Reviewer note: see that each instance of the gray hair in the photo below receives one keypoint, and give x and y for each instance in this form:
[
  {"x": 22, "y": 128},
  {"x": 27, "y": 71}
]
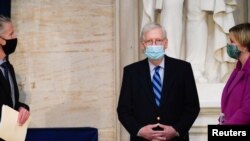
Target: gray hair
[
  {"x": 151, "y": 26},
  {"x": 3, "y": 20}
]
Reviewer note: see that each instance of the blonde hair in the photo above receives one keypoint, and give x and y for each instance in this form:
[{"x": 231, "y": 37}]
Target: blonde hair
[{"x": 241, "y": 33}]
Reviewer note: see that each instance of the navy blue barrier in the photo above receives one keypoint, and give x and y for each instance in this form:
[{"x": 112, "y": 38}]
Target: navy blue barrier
[{"x": 62, "y": 134}]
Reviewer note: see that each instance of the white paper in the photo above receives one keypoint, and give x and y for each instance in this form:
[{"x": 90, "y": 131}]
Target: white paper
[{"x": 9, "y": 128}]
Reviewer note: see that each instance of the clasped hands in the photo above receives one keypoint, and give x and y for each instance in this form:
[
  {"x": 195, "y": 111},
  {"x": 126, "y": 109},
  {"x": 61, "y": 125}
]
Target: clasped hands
[{"x": 148, "y": 132}]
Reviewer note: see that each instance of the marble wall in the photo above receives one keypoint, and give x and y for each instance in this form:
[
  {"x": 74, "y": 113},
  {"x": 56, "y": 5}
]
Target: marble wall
[
  {"x": 65, "y": 62},
  {"x": 69, "y": 64}
]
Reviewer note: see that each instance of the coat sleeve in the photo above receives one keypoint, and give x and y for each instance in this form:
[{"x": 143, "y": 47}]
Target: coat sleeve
[
  {"x": 191, "y": 107},
  {"x": 17, "y": 94},
  {"x": 125, "y": 109},
  {"x": 20, "y": 104},
  {"x": 242, "y": 115}
]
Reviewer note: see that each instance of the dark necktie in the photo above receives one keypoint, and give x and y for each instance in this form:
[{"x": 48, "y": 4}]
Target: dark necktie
[
  {"x": 6, "y": 73},
  {"x": 157, "y": 85}
]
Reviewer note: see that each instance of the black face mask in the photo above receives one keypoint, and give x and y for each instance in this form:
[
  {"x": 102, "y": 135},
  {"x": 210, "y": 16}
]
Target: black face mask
[{"x": 10, "y": 46}]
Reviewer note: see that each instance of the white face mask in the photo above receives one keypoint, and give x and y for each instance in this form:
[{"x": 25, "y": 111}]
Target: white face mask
[{"x": 154, "y": 52}]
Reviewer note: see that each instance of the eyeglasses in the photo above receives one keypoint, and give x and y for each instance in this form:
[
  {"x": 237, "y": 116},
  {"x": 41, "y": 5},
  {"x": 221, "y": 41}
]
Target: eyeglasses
[{"x": 151, "y": 42}]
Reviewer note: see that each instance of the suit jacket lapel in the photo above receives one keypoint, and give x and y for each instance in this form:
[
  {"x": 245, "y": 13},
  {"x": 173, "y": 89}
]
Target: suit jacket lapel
[
  {"x": 12, "y": 73},
  {"x": 2, "y": 78},
  {"x": 146, "y": 82},
  {"x": 167, "y": 80},
  {"x": 237, "y": 78},
  {"x": 4, "y": 82}
]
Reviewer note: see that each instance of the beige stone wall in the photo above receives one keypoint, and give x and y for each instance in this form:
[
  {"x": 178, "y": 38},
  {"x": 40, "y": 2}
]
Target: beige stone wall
[{"x": 65, "y": 62}]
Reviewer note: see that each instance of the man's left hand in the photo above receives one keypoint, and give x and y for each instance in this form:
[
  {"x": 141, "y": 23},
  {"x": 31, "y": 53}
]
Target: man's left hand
[{"x": 23, "y": 115}]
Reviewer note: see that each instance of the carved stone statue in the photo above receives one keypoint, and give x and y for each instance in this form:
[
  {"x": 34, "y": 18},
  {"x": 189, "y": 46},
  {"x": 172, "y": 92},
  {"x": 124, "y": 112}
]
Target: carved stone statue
[
  {"x": 204, "y": 36},
  {"x": 171, "y": 17},
  {"x": 206, "y": 40}
]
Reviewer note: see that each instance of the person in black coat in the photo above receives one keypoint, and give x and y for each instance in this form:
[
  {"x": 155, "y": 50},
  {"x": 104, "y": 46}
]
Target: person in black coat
[
  {"x": 9, "y": 93},
  {"x": 158, "y": 99}
]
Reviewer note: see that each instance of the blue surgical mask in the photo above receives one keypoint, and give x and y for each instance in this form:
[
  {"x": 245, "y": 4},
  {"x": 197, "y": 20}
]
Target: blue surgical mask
[
  {"x": 154, "y": 52},
  {"x": 233, "y": 51}
]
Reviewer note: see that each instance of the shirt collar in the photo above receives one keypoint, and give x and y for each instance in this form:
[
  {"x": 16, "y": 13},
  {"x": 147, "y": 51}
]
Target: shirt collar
[
  {"x": 152, "y": 66},
  {"x": 3, "y": 60},
  {"x": 246, "y": 66}
]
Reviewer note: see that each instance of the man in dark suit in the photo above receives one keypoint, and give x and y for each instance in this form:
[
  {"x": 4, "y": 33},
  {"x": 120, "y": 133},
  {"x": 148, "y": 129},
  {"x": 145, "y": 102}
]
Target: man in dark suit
[
  {"x": 158, "y": 99},
  {"x": 9, "y": 93}
]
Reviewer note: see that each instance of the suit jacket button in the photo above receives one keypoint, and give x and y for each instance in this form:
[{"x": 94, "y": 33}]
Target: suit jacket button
[{"x": 158, "y": 118}]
